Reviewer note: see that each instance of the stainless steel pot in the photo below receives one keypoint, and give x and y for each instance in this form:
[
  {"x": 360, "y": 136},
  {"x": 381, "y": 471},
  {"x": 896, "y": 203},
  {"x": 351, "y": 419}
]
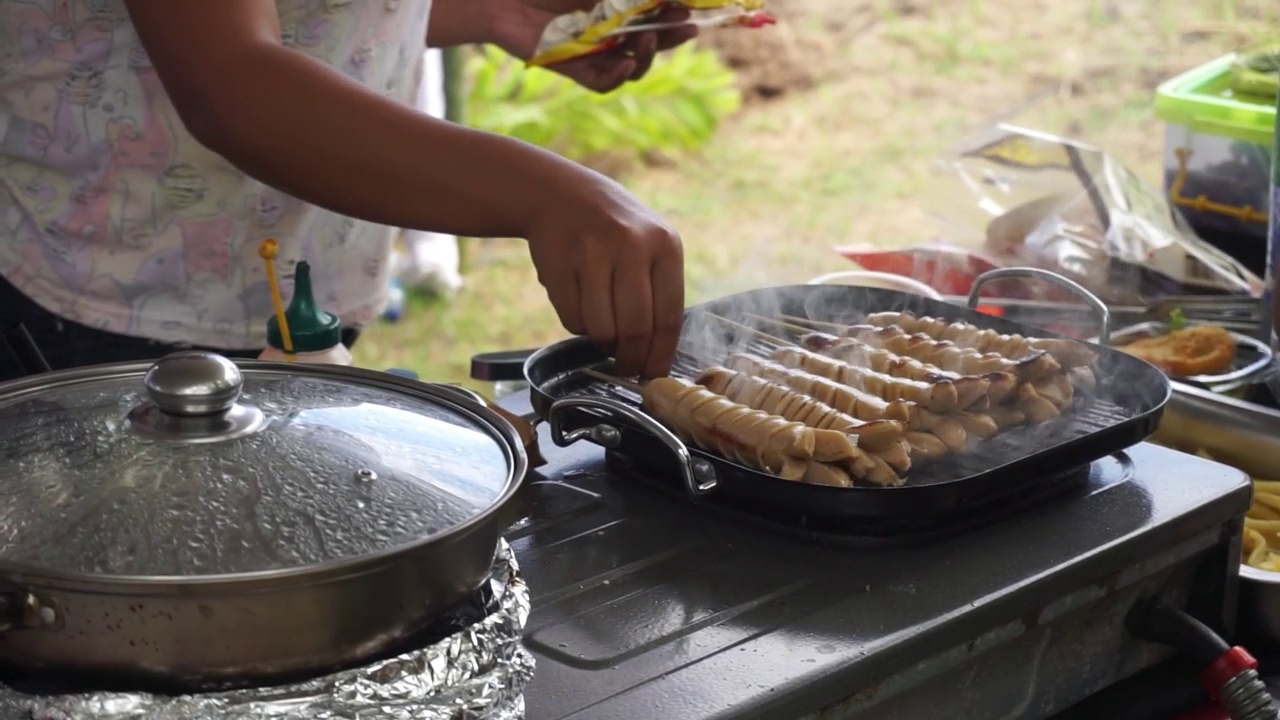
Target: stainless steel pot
[{"x": 199, "y": 522}]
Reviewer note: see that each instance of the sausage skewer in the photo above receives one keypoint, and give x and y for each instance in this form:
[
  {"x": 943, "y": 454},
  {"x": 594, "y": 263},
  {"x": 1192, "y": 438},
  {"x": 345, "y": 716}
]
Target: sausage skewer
[
  {"x": 760, "y": 394},
  {"x": 881, "y": 432},
  {"x": 947, "y": 355},
  {"x": 1069, "y": 353},
  {"x": 938, "y": 397},
  {"x": 969, "y": 389},
  {"x": 747, "y": 436}
]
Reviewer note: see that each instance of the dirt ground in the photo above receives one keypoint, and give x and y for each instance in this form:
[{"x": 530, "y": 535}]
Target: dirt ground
[{"x": 850, "y": 102}]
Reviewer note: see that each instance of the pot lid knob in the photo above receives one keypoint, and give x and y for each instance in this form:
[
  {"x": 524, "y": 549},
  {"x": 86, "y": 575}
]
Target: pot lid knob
[{"x": 194, "y": 383}]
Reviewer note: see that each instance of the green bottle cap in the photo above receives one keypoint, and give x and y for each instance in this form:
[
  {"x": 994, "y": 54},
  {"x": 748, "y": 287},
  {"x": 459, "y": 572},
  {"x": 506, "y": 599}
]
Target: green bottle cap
[{"x": 311, "y": 329}]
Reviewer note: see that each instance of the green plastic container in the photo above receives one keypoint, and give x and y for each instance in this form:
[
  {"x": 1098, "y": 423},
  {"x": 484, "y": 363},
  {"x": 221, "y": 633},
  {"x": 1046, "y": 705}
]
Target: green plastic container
[{"x": 1227, "y": 141}]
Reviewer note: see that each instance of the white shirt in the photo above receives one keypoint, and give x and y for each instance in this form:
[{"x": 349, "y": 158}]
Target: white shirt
[{"x": 113, "y": 216}]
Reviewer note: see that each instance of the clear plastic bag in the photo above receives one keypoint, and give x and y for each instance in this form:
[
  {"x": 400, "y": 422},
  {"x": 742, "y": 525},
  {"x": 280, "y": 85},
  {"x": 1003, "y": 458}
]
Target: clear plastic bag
[
  {"x": 607, "y": 24},
  {"x": 1022, "y": 197}
]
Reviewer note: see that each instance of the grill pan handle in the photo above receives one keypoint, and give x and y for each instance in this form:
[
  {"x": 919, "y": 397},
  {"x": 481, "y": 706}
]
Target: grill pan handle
[
  {"x": 698, "y": 474},
  {"x": 1029, "y": 273}
]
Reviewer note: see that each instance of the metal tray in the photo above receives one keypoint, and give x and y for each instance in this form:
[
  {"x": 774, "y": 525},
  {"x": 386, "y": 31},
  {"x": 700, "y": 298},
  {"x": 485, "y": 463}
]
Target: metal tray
[
  {"x": 1245, "y": 436},
  {"x": 1124, "y": 410}
]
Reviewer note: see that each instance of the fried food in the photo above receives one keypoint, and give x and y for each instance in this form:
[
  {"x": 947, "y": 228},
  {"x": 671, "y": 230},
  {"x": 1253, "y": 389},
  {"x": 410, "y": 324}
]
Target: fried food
[{"x": 1196, "y": 350}]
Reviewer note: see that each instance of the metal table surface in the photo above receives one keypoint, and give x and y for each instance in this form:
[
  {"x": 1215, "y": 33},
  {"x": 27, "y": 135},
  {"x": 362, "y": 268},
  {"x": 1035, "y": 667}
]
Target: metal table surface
[{"x": 646, "y": 607}]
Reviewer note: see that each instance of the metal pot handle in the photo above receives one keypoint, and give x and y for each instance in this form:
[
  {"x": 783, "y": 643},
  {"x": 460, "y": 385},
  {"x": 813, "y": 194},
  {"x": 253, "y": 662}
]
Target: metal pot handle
[
  {"x": 21, "y": 610},
  {"x": 1029, "y": 273},
  {"x": 698, "y": 474}
]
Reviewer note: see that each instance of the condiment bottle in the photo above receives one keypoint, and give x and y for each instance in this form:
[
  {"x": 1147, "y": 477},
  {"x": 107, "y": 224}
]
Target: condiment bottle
[{"x": 303, "y": 332}]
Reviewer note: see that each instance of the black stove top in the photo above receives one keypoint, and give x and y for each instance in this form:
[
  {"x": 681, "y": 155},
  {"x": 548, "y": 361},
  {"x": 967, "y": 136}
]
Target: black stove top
[{"x": 644, "y": 606}]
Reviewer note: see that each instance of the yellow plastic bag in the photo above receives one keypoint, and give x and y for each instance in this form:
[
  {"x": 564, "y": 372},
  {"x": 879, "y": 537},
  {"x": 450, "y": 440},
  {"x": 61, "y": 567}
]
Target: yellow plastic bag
[{"x": 606, "y": 26}]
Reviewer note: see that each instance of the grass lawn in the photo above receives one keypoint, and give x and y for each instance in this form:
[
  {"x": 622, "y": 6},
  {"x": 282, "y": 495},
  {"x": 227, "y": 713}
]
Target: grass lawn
[{"x": 846, "y": 158}]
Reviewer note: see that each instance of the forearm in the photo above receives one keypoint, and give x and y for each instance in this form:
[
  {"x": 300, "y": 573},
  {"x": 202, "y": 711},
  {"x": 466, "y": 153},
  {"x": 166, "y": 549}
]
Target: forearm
[
  {"x": 459, "y": 22},
  {"x": 306, "y": 129}
]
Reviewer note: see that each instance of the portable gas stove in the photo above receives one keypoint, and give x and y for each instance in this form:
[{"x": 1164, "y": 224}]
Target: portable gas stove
[{"x": 648, "y": 607}]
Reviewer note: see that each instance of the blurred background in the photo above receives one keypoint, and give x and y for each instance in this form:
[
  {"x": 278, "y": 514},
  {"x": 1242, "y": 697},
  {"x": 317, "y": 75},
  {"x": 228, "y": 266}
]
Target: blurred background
[{"x": 769, "y": 148}]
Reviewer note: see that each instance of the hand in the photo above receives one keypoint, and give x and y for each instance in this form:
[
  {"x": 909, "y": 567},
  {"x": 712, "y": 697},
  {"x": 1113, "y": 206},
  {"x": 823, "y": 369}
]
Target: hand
[
  {"x": 518, "y": 25},
  {"x": 614, "y": 272}
]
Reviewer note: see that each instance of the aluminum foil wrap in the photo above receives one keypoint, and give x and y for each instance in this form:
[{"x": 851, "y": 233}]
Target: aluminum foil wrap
[{"x": 477, "y": 673}]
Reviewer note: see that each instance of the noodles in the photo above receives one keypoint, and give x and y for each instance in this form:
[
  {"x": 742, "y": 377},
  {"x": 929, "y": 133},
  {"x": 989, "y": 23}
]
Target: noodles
[{"x": 1261, "y": 544}]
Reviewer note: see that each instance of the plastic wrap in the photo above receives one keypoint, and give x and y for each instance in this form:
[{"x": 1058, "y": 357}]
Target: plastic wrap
[
  {"x": 1016, "y": 197},
  {"x": 606, "y": 25},
  {"x": 477, "y": 673}
]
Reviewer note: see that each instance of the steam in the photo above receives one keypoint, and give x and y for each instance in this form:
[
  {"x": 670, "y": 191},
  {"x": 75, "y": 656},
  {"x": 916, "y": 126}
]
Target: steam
[
  {"x": 1126, "y": 387},
  {"x": 707, "y": 339}
]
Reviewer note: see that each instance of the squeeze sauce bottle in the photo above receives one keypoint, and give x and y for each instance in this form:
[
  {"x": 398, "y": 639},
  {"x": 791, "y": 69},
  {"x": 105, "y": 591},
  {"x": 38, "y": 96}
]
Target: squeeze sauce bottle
[{"x": 309, "y": 334}]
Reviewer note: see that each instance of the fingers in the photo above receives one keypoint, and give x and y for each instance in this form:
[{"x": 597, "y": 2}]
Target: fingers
[
  {"x": 667, "y": 278},
  {"x": 668, "y": 39},
  {"x": 644, "y": 47},
  {"x": 633, "y": 312},
  {"x": 565, "y": 297},
  {"x": 593, "y": 73},
  {"x": 675, "y": 37},
  {"x": 595, "y": 298}
]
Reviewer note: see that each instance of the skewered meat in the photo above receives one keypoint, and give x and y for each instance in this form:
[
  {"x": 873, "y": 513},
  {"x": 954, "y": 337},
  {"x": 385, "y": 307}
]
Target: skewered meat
[
  {"x": 947, "y": 355},
  {"x": 968, "y": 389},
  {"x": 820, "y": 473},
  {"x": 976, "y": 425},
  {"x": 1068, "y": 353},
  {"x": 1038, "y": 409},
  {"x": 712, "y": 421},
  {"x": 1083, "y": 379},
  {"x": 836, "y": 435},
  {"x": 848, "y": 400},
  {"x": 938, "y": 397},
  {"x": 1007, "y": 416},
  {"x": 945, "y": 427},
  {"x": 926, "y": 445}
]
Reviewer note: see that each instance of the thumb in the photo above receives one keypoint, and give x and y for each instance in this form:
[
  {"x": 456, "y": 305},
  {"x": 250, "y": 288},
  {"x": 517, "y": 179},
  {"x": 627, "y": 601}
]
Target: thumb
[{"x": 607, "y": 73}]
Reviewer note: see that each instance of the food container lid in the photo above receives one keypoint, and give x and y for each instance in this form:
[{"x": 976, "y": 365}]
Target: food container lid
[
  {"x": 1201, "y": 99},
  {"x": 198, "y": 466}
]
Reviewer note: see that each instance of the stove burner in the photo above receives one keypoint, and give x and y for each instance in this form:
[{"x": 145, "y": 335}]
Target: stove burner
[
  {"x": 846, "y": 533},
  {"x": 476, "y": 607}
]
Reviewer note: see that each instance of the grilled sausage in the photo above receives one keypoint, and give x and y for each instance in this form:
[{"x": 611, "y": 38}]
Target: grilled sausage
[
  {"x": 939, "y": 396},
  {"x": 759, "y": 394},
  {"x": 926, "y": 446},
  {"x": 947, "y": 355},
  {"x": 848, "y": 400},
  {"x": 1068, "y": 353},
  {"x": 946, "y": 428},
  {"x": 737, "y": 432},
  {"x": 1083, "y": 379},
  {"x": 820, "y": 473},
  {"x": 1038, "y": 409},
  {"x": 979, "y": 426},
  {"x": 1007, "y": 416},
  {"x": 834, "y": 432},
  {"x": 969, "y": 389}
]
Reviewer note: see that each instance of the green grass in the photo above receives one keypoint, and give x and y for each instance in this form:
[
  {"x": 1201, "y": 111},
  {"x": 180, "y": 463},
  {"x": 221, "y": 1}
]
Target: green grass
[{"x": 849, "y": 159}]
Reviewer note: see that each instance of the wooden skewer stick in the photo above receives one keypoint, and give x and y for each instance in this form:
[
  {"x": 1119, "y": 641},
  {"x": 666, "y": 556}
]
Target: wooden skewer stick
[
  {"x": 636, "y": 388},
  {"x": 783, "y": 322},
  {"x": 759, "y": 333},
  {"x": 815, "y": 323}
]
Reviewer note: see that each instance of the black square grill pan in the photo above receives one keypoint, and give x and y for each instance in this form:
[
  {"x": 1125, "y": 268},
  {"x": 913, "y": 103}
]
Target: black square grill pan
[{"x": 1124, "y": 410}]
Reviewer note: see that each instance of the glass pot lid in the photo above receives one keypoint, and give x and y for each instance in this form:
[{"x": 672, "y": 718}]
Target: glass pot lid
[{"x": 199, "y": 468}]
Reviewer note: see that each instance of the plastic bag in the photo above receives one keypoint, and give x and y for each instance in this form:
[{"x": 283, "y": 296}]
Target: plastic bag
[
  {"x": 606, "y": 26},
  {"x": 1032, "y": 199}
]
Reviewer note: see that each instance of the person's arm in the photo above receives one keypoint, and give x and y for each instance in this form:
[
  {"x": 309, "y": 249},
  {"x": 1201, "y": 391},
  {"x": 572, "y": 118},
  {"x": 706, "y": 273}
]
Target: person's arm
[
  {"x": 612, "y": 269},
  {"x": 461, "y": 22},
  {"x": 298, "y": 125}
]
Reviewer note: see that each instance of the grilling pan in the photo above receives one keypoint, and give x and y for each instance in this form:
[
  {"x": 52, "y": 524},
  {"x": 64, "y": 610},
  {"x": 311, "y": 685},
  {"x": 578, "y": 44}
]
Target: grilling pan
[{"x": 1124, "y": 410}]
